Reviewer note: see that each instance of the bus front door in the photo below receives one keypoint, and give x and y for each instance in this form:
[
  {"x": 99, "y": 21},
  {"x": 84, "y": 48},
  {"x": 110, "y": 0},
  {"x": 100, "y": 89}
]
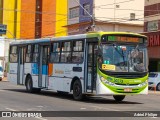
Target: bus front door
[
  {"x": 91, "y": 57},
  {"x": 43, "y": 66},
  {"x": 20, "y": 72}
]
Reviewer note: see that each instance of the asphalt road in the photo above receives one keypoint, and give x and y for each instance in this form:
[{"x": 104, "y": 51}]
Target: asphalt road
[{"x": 15, "y": 98}]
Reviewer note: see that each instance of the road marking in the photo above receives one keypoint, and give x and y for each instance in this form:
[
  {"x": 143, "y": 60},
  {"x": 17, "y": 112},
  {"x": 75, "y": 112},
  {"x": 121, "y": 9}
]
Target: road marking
[
  {"x": 2, "y": 90},
  {"x": 154, "y": 117},
  {"x": 41, "y": 118},
  {"x": 15, "y": 85},
  {"x": 10, "y": 109},
  {"x": 39, "y": 106},
  {"x": 97, "y": 107}
]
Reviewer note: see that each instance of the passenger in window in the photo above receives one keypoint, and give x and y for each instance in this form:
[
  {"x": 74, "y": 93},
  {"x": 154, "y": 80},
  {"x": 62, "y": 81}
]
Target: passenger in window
[
  {"x": 69, "y": 59},
  {"x": 76, "y": 59}
]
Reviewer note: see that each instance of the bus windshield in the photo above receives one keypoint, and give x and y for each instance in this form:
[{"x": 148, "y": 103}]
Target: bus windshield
[{"x": 123, "y": 58}]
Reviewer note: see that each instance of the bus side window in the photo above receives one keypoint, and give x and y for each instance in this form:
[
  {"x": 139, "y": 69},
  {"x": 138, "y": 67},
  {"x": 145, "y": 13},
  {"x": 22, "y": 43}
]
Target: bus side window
[
  {"x": 77, "y": 55},
  {"x": 55, "y": 52},
  {"x": 29, "y": 53},
  {"x": 13, "y": 54},
  {"x": 35, "y": 53},
  {"x": 66, "y": 52}
]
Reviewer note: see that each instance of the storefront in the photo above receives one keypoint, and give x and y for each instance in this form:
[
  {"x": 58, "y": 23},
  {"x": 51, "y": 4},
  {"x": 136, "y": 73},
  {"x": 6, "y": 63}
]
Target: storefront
[{"x": 154, "y": 51}]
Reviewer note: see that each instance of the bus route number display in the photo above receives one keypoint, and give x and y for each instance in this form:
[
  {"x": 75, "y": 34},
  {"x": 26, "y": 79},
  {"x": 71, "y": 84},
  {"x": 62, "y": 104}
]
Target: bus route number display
[{"x": 125, "y": 39}]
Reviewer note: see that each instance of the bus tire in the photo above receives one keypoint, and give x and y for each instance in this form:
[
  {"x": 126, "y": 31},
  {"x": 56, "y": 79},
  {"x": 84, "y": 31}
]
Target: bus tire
[
  {"x": 29, "y": 85},
  {"x": 77, "y": 90},
  {"x": 158, "y": 87},
  {"x": 118, "y": 98},
  {"x": 36, "y": 90}
]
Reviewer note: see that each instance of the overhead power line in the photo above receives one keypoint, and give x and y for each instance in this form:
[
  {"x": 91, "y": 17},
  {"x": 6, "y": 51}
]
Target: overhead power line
[
  {"x": 29, "y": 11},
  {"x": 114, "y": 3},
  {"x": 92, "y": 17}
]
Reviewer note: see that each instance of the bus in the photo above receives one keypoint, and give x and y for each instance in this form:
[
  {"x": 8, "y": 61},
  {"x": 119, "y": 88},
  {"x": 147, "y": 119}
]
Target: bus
[{"x": 97, "y": 63}]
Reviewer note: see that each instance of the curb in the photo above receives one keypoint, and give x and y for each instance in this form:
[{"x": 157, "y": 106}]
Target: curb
[
  {"x": 153, "y": 92},
  {"x": 4, "y": 81}
]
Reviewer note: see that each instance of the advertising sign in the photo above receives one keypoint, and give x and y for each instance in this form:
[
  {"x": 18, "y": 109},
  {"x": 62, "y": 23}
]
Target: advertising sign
[{"x": 3, "y": 29}]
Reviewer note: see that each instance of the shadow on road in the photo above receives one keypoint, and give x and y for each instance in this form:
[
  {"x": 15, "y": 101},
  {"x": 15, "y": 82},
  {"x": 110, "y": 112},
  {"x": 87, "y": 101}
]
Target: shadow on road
[{"x": 87, "y": 99}]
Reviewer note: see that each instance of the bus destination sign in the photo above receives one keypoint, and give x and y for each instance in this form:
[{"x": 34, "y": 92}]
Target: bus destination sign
[{"x": 125, "y": 39}]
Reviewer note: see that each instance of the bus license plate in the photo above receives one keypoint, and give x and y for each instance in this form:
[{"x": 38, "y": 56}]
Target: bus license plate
[{"x": 127, "y": 89}]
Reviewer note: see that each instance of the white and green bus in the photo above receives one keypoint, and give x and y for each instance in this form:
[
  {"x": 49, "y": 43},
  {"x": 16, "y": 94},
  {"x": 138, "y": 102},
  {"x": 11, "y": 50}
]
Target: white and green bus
[{"x": 99, "y": 63}]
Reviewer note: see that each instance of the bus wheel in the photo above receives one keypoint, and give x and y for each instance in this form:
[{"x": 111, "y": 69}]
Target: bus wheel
[
  {"x": 29, "y": 86},
  {"x": 77, "y": 90},
  {"x": 158, "y": 87},
  {"x": 119, "y": 98}
]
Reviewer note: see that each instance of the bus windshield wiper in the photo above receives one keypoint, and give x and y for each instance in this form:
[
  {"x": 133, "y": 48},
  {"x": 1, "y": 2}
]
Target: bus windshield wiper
[{"x": 121, "y": 54}]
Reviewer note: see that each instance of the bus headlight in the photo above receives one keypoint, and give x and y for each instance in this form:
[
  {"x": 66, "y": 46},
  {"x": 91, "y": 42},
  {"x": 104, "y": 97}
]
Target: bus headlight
[
  {"x": 106, "y": 81},
  {"x": 143, "y": 84}
]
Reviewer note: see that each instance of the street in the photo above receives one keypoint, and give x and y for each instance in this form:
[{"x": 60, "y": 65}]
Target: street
[{"x": 15, "y": 98}]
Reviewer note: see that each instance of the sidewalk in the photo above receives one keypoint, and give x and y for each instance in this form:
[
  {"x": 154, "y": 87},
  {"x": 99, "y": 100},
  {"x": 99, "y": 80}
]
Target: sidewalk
[
  {"x": 4, "y": 79},
  {"x": 153, "y": 92}
]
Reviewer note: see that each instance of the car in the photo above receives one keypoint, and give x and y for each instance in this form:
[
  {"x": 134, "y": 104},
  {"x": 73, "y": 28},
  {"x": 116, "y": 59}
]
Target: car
[
  {"x": 1, "y": 73},
  {"x": 154, "y": 80}
]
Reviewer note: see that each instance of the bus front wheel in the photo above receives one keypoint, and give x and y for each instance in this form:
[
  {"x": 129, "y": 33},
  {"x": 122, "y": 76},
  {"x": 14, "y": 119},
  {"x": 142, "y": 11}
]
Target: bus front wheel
[
  {"x": 77, "y": 90},
  {"x": 118, "y": 98}
]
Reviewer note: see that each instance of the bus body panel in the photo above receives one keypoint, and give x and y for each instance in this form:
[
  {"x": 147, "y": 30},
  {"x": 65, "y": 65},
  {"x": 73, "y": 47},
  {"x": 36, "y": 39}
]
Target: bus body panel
[
  {"x": 103, "y": 89},
  {"x": 12, "y": 76},
  {"x": 35, "y": 81},
  {"x": 28, "y": 68},
  {"x": 62, "y": 76}
]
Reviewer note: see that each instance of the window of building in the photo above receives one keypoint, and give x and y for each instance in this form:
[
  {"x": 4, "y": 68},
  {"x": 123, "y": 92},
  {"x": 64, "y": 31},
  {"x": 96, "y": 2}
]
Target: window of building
[
  {"x": 132, "y": 16},
  {"x": 87, "y": 8},
  {"x": 152, "y": 26},
  {"x": 29, "y": 53},
  {"x": 13, "y": 54},
  {"x": 73, "y": 12}
]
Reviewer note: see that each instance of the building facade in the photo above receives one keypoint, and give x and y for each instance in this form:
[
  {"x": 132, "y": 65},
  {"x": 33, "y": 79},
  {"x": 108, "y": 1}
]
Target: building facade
[
  {"x": 1, "y": 11},
  {"x": 113, "y": 15},
  {"x": 28, "y": 19},
  {"x": 152, "y": 30}
]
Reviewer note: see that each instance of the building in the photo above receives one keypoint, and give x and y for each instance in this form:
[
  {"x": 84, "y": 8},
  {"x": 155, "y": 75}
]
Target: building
[
  {"x": 107, "y": 15},
  {"x": 152, "y": 30},
  {"x": 1, "y": 11},
  {"x": 28, "y": 19},
  {"x": 4, "y": 46}
]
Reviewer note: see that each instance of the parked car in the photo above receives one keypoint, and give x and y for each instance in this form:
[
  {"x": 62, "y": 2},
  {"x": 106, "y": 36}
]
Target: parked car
[
  {"x": 1, "y": 73},
  {"x": 154, "y": 80}
]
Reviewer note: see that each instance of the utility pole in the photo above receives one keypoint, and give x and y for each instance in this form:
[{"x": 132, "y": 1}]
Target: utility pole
[
  {"x": 114, "y": 15},
  {"x": 92, "y": 16},
  {"x": 15, "y": 17}
]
